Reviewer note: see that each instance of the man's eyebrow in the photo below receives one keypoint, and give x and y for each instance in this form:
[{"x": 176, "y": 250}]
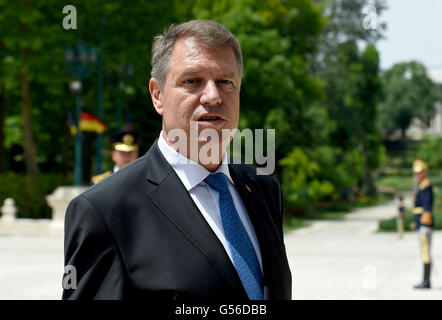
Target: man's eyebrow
[{"x": 228, "y": 75}]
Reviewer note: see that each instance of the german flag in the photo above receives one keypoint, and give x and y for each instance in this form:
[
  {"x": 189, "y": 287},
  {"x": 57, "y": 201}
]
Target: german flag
[{"x": 89, "y": 122}]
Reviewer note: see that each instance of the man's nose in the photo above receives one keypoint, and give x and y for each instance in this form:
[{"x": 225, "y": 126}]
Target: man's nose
[{"x": 211, "y": 95}]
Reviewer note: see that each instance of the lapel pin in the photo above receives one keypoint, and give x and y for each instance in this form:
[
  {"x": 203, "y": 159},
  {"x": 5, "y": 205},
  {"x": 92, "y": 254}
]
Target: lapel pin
[{"x": 248, "y": 188}]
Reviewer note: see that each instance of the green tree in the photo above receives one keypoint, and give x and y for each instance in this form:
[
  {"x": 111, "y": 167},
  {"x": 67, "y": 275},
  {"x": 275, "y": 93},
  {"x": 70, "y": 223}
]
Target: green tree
[
  {"x": 369, "y": 135},
  {"x": 345, "y": 24},
  {"x": 352, "y": 92},
  {"x": 30, "y": 39},
  {"x": 35, "y": 47},
  {"x": 351, "y": 83},
  {"x": 277, "y": 39},
  {"x": 2, "y": 106},
  {"x": 427, "y": 149},
  {"x": 408, "y": 93}
]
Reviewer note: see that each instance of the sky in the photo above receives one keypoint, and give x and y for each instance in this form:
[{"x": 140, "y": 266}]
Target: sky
[{"x": 414, "y": 32}]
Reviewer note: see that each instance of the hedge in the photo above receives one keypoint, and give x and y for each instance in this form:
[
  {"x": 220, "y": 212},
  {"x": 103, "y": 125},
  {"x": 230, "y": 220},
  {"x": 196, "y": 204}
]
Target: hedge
[
  {"x": 30, "y": 194},
  {"x": 389, "y": 225}
]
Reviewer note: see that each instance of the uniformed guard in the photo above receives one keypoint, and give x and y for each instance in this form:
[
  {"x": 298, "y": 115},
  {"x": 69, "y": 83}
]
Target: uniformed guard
[
  {"x": 125, "y": 144},
  {"x": 423, "y": 216}
]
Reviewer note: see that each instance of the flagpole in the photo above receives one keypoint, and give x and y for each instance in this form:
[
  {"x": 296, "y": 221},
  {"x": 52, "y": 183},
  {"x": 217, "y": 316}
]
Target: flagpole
[
  {"x": 100, "y": 101},
  {"x": 78, "y": 169},
  {"x": 119, "y": 99},
  {"x": 79, "y": 63}
]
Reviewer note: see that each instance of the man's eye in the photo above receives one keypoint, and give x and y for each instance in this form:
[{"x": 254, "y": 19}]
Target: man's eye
[
  {"x": 225, "y": 81},
  {"x": 190, "y": 81}
]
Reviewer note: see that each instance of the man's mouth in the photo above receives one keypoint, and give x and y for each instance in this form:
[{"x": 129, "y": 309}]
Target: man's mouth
[{"x": 209, "y": 118}]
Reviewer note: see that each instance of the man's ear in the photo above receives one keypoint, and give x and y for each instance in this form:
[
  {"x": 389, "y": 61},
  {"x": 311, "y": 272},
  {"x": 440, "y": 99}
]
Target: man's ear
[{"x": 155, "y": 93}]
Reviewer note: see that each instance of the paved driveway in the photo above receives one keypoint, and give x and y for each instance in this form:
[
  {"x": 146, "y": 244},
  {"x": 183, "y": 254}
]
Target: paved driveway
[
  {"x": 347, "y": 259},
  {"x": 343, "y": 259},
  {"x": 31, "y": 267}
]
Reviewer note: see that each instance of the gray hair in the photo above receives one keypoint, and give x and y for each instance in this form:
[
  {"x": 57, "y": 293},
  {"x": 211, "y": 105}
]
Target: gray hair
[{"x": 210, "y": 34}]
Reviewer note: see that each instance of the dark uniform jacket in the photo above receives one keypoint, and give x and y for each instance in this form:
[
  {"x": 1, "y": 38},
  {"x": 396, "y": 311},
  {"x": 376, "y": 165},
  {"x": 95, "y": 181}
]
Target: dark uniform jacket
[
  {"x": 99, "y": 177},
  {"x": 139, "y": 235},
  {"x": 423, "y": 202}
]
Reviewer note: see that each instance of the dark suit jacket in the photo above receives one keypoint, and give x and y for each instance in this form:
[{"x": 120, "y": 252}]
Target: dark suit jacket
[{"x": 139, "y": 235}]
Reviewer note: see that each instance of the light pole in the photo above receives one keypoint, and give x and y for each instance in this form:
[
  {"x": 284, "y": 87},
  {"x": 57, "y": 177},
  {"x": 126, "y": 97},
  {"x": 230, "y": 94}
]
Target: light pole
[
  {"x": 79, "y": 62},
  {"x": 123, "y": 72},
  {"x": 100, "y": 100}
]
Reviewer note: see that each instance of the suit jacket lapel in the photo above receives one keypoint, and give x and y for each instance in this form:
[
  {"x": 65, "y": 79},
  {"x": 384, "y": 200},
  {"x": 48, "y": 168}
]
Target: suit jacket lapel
[
  {"x": 182, "y": 212},
  {"x": 261, "y": 220}
]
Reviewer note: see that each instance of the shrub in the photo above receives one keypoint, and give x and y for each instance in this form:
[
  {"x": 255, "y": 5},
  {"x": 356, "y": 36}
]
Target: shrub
[
  {"x": 300, "y": 180},
  {"x": 389, "y": 225},
  {"x": 30, "y": 194},
  {"x": 428, "y": 151}
]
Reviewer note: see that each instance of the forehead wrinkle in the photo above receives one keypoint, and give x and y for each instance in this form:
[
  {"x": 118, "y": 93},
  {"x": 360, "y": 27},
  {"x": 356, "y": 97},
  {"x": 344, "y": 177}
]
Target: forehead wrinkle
[{"x": 193, "y": 58}]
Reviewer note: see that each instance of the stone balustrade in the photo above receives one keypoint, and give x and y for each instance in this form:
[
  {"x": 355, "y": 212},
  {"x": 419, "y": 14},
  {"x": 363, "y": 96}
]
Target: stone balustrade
[{"x": 58, "y": 201}]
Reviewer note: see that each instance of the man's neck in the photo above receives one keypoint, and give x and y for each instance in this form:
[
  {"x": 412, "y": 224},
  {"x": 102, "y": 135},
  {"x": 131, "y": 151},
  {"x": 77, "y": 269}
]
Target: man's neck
[{"x": 211, "y": 166}]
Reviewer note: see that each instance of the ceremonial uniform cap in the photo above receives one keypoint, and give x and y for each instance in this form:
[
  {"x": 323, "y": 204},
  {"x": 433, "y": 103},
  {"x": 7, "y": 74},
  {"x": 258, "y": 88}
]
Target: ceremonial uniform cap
[
  {"x": 125, "y": 140},
  {"x": 419, "y": 165}
]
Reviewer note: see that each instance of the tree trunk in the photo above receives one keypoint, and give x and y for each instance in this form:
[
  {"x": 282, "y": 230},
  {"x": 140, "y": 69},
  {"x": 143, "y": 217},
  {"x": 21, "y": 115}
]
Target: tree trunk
[
  {"x": 2, "y": 126},
  {"x": 2, "y": 112},
  {"x": 369, "y": 184},
  {"x": 370, "y": 189},
  {"x": 65, "y": 150},
  {"x": 30, "y": 149},
  {"x": 404, "y": 146}
]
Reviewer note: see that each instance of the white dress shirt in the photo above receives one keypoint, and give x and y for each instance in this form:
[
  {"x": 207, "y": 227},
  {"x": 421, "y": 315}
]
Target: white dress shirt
[{"x": 192, "y": 175}]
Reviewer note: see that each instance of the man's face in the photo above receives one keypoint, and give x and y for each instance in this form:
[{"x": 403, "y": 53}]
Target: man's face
[
  {"x": 121, "y": 158},
  {"x": 199, "y": 83},
  {"x": 419, "y": 176}
]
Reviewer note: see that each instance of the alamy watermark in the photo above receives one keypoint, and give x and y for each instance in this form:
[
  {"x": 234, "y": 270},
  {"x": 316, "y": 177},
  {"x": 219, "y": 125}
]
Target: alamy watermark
[
  {"x": 70, "y": 21},
  {"x": 205, "y": 146},
  {"x": 369, "y": 21},
  {"x": 70, "y": 277}
]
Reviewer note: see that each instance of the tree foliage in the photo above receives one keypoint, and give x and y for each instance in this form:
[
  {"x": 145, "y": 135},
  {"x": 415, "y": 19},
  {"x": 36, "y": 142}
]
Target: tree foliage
[
  {"x": 277, "y": 38},
  {"x": 408, "y": 93},
  {"x": 352, "y": 86},
  {"x": 36, "y": 46},
  {"x": 428, "y": 151},
  {"x": 311, "y": 72}
]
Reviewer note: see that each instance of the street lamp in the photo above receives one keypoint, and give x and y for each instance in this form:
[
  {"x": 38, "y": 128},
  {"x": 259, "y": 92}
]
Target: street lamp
[{"x": 79, "y": 62}]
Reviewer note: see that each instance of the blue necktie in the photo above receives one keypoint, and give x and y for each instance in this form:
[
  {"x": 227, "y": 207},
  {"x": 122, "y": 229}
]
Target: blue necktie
[{"x": 241, "y": 248}]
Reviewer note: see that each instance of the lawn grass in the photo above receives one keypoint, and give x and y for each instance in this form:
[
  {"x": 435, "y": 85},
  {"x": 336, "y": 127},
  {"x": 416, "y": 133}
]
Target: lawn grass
[
  {"x": 395, "y": 182},
  {"x": 389, "y": 225},
  {"x": 331, "y": 211},
  {"x": 292, "y": 223},
  {"x": 400, "y": 181}
]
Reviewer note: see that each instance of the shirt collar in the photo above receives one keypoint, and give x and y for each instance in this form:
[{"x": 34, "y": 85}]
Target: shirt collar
[
  {"x": 424, "y": 183},
  {"x": 190, "y": 172}
]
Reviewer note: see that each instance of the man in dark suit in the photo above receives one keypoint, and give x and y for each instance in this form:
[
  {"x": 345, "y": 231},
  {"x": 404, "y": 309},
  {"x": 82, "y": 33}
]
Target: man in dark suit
[{"x": 182, "y": 223}]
